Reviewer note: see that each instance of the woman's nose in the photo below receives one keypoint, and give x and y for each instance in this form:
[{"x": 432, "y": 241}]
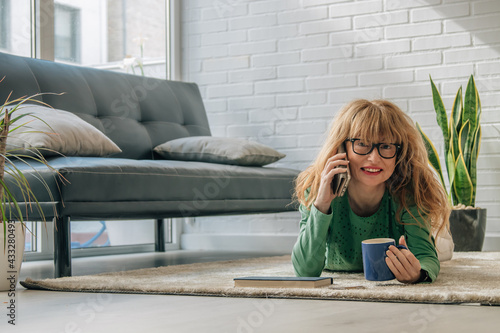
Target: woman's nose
[{"x": 374, "y": 155}]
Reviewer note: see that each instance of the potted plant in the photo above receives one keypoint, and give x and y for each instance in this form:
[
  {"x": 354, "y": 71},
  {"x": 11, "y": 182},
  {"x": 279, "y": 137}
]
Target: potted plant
[
  {"x": 462, "y": 141},
  {"x": 12, "y": 227}
]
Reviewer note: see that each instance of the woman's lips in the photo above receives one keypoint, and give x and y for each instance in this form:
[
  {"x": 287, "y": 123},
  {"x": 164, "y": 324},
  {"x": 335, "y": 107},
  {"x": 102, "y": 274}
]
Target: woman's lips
[{"x": 371, "y": 171}]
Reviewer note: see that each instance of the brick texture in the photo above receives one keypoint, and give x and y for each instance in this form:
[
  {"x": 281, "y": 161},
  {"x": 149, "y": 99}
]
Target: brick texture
[{"x": 277, "y": 71}]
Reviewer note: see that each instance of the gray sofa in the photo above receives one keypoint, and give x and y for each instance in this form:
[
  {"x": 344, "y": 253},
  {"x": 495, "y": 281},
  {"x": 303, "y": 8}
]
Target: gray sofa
[{"x": 137, "y": 114}]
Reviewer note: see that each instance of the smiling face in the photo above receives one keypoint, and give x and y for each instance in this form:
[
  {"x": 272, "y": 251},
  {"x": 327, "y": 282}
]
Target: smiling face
[{"x": 370, "y": 170}]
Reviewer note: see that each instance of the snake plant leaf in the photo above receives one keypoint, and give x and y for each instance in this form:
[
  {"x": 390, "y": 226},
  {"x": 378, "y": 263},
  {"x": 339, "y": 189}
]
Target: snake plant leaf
[
  {"x": 473, "y": 162},
  {"x": 468, "y": 147},
  {"x": 463, "y": 137},
  {"x": 453, "y": 151},
  {"x": 479, "y": 110},
  {"x": 441, "y": 117},
  {"x": 463, "y": 186},
  {"x": 452, "y": 161},
  {"x": 450, "y": 164},
  {"x": 470, "y": 107},
  {"x": 432, "y": 155},
  {"x": 456, "y": 111}
]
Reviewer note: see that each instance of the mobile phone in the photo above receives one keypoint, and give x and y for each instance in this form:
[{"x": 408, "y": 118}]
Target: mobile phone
[{"x": 341, "y": 180}]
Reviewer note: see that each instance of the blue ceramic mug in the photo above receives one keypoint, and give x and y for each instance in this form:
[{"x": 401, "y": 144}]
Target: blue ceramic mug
[{"x": 374, "y": 256}]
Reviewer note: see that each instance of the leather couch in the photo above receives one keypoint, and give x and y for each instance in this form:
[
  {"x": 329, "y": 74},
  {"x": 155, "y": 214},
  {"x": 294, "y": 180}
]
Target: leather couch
[{"x": 137, "y": 114}]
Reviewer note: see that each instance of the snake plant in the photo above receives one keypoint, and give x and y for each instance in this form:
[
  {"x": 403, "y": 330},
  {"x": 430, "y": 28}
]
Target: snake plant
[{"x": 462, "y": 141}]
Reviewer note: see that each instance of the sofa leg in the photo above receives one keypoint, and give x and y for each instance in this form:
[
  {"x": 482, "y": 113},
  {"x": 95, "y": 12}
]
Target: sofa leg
[
  {"x": 62, "y": 246},
  {"x": 160, "y": 235}
]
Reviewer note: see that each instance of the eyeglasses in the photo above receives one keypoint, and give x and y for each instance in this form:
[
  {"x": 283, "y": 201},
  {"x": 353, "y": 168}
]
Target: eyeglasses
[{"x": 385, "y": 150}]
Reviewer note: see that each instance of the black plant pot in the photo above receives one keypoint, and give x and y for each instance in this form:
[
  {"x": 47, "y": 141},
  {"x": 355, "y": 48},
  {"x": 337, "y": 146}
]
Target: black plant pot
[{"x": 467, "y": 228}]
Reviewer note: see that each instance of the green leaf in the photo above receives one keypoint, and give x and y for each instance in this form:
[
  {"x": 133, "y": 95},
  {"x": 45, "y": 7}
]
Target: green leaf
[
  {"x": 452, "y": 152},
  {"x": 452, "y": 158},
  {"x": 450, "y": 162},
  {"x": 479, "y": 110},
  {"x": 469, "y": 145},
  {"x": 9, "y": 198},
  {"x": 432, "y": 154},
  {"x": 441, "y": 116},
  {"x": 470, "y": 107},
  {"x": 456, "y": 111},
  {"x": 473, "y": 163},
  {"x": 464, "y": 137},
  {"x": 462, "y": 184},
  {"x": 9, "y": 206}
]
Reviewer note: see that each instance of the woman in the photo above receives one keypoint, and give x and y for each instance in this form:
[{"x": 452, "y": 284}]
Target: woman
[{"x": 392, "y": 193}]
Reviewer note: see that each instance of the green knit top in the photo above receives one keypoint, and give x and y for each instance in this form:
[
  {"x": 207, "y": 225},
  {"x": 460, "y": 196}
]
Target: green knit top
[{"x": 333, "y": 241}]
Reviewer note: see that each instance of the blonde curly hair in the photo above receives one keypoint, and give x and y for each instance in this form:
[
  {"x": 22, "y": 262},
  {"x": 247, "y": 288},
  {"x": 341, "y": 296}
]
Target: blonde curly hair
[{"x": 413, "y": 182}]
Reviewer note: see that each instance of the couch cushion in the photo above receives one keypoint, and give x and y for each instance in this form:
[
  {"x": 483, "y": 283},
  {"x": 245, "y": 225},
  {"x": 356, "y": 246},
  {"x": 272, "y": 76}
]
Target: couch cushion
[
  {"x": 18, "y": 79},
  {"x": 219, "y": 150},
  {"x": 53, "y": 132},
  {"x": 59, "y": 78},
  {"x": 44, "y": 183},
  {"x": 162, "y": 187}
]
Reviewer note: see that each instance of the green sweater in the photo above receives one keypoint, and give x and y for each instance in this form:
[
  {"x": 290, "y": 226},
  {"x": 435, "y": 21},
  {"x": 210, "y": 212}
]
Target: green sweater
[{"x": 333, "y": 241}]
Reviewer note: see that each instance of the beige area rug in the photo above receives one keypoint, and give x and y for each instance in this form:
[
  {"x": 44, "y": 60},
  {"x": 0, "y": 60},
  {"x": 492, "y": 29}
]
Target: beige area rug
[{"x": 470, "y": 277}]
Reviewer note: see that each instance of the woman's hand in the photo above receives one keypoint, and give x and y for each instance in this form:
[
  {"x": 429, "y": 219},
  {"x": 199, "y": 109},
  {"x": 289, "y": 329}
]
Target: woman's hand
[
  {"x": 325, "y": 192},
  {"x": 402, "y": 263}
]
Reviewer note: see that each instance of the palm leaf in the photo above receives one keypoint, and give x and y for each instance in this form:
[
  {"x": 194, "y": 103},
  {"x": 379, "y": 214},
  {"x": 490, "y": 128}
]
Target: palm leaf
[
  {"x": 9, "y": 205},
  {"x": 10, "y": 200}
]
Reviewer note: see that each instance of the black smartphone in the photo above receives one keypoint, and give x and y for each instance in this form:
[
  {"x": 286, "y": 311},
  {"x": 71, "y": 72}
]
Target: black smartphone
[{"x": 341, "y": 180}]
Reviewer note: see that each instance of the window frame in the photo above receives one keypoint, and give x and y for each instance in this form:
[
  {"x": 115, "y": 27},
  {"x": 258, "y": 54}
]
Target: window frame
[
  {"x": 5, "y": 24},
  {"x": 42, "y": 47},
  {"x": 75, "y": 37}
]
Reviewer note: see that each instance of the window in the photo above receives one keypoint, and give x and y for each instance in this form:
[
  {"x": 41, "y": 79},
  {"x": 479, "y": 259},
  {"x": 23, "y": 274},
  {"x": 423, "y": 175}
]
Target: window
[
  {"x": 31, "y": 241},
  {"x": 67, "y": 41},
  {"x": 4, "y": 24},
  {"x": 119, "y": 35},
  {"x": 15, "y": 27}
]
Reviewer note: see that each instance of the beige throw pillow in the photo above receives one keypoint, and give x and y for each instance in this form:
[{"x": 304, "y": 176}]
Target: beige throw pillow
[
  {"x": 218, "y": 150},
  {"x": 56, "y": 132}
]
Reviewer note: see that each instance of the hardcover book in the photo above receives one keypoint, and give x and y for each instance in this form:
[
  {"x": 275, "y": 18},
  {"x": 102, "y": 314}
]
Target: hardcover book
[{"x": 282, "y": 282}]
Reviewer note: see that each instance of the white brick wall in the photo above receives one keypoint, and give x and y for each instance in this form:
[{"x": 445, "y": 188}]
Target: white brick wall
[{"x": 277, "y": 72}]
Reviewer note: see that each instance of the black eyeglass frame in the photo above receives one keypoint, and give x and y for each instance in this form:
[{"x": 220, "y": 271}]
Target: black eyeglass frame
[{"x": 353, "y": 140}]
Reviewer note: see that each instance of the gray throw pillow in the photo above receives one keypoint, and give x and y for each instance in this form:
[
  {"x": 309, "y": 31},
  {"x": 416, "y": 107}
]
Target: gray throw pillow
[
  {"x": 218, "y": 150},
  {"x": 56, "y": 132}
]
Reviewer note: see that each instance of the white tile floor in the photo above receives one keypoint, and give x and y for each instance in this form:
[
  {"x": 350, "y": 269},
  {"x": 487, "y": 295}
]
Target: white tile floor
[{"x": 41, "y": 311}]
